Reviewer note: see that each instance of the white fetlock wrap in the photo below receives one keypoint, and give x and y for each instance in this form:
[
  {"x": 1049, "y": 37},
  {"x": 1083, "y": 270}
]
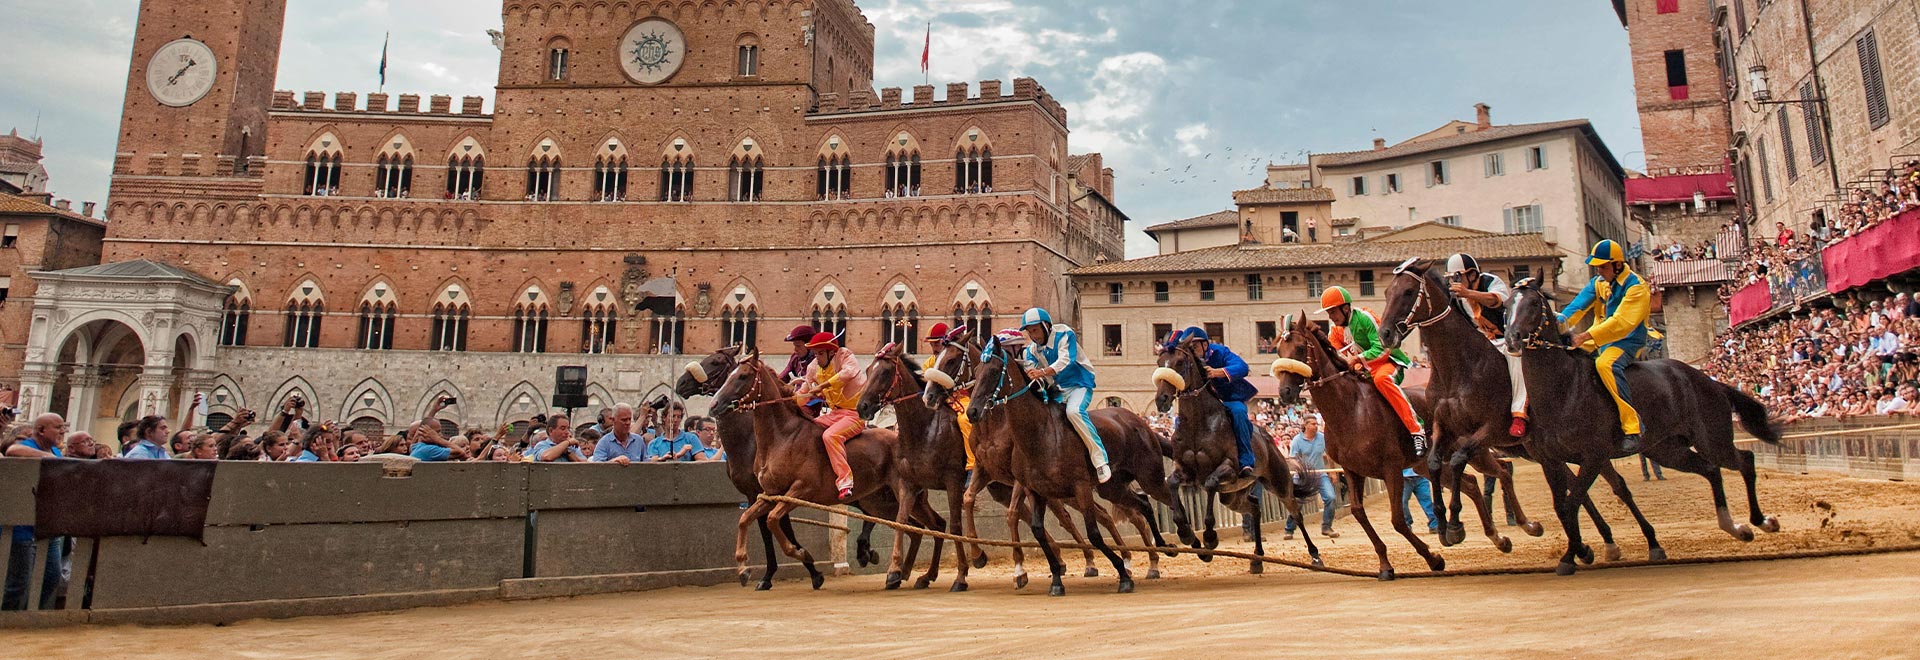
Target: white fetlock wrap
[
  {"x": 1170, "y": 377},
  {"x": 1291, "y": 366},
  {"x": 698, "y": 372},
  {"x": 938, "y": 377}
]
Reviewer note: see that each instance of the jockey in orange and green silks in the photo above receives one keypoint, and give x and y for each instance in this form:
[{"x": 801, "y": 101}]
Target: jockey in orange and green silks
[
  {"x": 1619, "y": 327},
  {"x": 1357, "y": 335}
]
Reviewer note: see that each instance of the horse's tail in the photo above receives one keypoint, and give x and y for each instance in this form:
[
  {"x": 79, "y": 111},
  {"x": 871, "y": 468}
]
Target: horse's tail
[{"x": 1753, "y": 415}]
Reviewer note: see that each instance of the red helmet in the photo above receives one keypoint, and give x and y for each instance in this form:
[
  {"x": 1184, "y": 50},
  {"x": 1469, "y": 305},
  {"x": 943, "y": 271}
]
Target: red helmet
[
  {"x": 938, "y": 332},
  {"x": 822, "y": 340}
]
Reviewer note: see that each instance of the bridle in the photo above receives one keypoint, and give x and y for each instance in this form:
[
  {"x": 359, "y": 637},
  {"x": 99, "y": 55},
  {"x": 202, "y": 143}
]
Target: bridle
[
  {"x": 1423, "y": 300},
  {"x": 990, "y": 401},
  {"x": 1533, "y": 340},
  {"x": 1195, "y": 386},
  {"x": 1339, "y": 369},
  {"x": 899, "y": 367},
  {"x": 712, "y": 385},
  {"x": 753, "y": 399}
]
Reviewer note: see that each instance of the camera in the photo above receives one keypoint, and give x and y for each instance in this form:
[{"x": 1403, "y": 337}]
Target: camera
[
  {"x": 10, "y": 412},
  {"x": 658, "y": 403},
  {"x": 449, "y": 400},
  {"x": 299, "y": 402}
]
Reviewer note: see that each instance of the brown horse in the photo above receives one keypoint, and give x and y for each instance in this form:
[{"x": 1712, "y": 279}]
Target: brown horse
[
  {"x": 919, "y": 465},
  {"x": 791, "y": 460},
  {"x": 1205, "y": 451},
  {"x": 1048, "y": 459},
  {"x": 703, "y": 377},
  {"x": 1687, "y": 418},
  {"x": 994, "y": 470}
]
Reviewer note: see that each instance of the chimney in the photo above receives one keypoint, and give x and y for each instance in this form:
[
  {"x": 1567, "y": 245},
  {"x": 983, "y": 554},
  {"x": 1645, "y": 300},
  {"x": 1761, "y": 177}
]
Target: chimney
[
  {"x": 1379, "y": 144},
  {"x": 63, "y": 205},
  {"x": 86, "y": 209},
  {"x": 1483, "y": 115}
]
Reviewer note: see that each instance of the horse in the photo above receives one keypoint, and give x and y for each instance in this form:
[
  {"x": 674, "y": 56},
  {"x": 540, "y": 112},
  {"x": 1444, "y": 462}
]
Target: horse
[
  {"x": 920, "y": 464},
  {"x": 735, "y": 429},
  {"x": 1049, "y": 461},
  {"x": 1204, "y": 444},
  {"x": 993, "y": 455},
  {"x": 1687, "y": 417},
  {"x": 1366, "y": 439},
  {"x": 791, "y": 460}
]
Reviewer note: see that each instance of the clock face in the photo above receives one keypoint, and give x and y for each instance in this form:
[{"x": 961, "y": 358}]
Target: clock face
[
  {"x": 181, "y": 72},
  {"x": 652, "y": 51}
]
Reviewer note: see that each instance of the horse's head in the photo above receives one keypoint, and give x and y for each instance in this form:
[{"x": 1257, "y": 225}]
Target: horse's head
[
  {"x": 997, "y": 378},
  {"x": 1531, "y": 317},
  {"x": 704, "y": 376},
  {"x": 956, "y": 357},
  {"x": 1300, "y": 347},
  {"x": 1416, "y": 297},
  {"x": 890, "y": 378},
  {"x": 1178, "y": 371},
  {"x": 749, "y": 382}
]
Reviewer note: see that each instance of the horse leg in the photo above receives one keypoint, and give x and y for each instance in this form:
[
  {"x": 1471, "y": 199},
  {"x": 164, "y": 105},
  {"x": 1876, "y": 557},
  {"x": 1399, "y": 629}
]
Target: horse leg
[
  {"x": 903, "y": 497},
  {"x": 1505, "y": 477},
  {"x": 766, "y": 547},
  {"x": 1137, "y": 513},
  {"x": 1112, "y": 522},
  {"x": 1452, "y": 531},
  {"x": 1577, "y": 491},
  {"x": 1177, "y": 508},
  {"x": 1484, "y": 507},
  {"x": 756, "y": 512},
  {"x": 1564, "y": 507},
  {"x": 1600, "y": 524},
  {"x": 1766, "y": 523},
  {"x": 933, "y": 521},
  {"x": 1357, "y": 506},
  {"x": 1060, "y": 511},
  {"x": 1015, "y": 504},
  {"x": 1039, "y": 524},
  {"x": 778, "y": 519},
  {"x": 1213, "y": 495},
  {"x": 1296, "y": 511},
  {"x": 964, "y": 518},
  {"x": 1397, "y": 509},
  {"x": 1096, "y": 516},
  {"x": 1619, "y": 486}
]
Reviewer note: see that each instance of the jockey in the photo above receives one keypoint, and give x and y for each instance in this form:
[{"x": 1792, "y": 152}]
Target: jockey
[
  {"x": 1619, "y": 327},
  {"x": 797, "y": 363},
  {"x": 958, "y": 400},
  {"x": 1227, "y": 375},
  {"x": 1357, "y": 335},
  {"x": 1484, "y": 296},
  {"x": 1053, "y": 358},
  {"x": 835, "y": 377}
]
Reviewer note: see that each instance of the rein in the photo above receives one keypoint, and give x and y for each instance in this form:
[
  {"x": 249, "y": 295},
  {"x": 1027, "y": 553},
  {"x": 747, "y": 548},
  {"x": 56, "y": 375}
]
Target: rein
[
  {"x": 992, "y": 401},
  {"x": 899, "y": 366},
  {"x": 1425, "y": 300},
  {"x": 752, "y": 400},
  {"x": 1534, "y": 340},
  {"x": 1200, "y": 383}
]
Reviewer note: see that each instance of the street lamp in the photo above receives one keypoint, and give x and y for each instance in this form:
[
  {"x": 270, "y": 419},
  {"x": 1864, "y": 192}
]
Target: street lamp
[{"x": 1757, "y": 80}]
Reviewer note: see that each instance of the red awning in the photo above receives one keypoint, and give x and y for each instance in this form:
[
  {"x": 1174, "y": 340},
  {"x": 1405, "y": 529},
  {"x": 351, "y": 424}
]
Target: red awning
[
  {"x": 1679, "y": 188},
  {"x": 1888, "y": 249}
]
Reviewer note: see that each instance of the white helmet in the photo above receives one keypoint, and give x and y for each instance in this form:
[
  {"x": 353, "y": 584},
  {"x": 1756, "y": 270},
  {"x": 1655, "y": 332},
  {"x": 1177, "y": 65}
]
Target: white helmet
[{"x": 1461, "y": 263}]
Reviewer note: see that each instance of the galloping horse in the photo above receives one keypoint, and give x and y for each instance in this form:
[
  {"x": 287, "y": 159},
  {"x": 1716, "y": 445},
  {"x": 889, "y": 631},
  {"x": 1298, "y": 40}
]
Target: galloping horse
[
  {"x": 792, "y": 461},
  {"x": 1050, "y": 462},
  {"x": 1204, "y": 444},
  {"x": 1688, "y": 417},
  {"x": 920, "y": 463},
  {"x": 994, "y": 473},
  {"x": 735, "y": 429},
  {"x": 1365, "y": 438}
]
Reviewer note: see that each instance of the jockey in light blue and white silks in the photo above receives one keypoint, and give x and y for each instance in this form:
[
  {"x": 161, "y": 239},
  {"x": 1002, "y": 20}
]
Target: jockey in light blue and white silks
[{"x": 1053, "y": 357}]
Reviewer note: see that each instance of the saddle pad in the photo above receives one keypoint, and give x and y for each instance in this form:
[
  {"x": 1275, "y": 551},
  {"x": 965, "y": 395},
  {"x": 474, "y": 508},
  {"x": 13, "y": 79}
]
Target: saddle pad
[{"x": 95, "y": 499}]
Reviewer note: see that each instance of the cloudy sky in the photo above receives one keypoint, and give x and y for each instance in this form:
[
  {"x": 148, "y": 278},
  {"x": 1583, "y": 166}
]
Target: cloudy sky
[{"x": 1221, "y": 86}]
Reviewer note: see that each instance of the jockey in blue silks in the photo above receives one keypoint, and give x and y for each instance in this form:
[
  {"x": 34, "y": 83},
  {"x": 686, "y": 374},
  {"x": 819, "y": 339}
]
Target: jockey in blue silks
[
  {"x": 1053, "y": 357},
  {"x": 1227, "y": 375}
]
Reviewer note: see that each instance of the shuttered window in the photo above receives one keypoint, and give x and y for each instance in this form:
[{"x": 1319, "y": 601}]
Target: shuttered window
[
  {"x": 1875, "y": 86},
  {"x": 1786, "y": 144},
  {"x": 1816, "y": 135}
]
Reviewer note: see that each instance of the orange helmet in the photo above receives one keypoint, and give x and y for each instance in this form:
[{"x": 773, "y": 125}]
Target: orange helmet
[{"x": 1334, "y": 296}]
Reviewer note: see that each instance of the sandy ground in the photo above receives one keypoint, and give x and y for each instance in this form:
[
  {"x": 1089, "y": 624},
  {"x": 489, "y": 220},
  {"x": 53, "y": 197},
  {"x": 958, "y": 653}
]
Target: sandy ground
[{"x": 1867, "y": 606}]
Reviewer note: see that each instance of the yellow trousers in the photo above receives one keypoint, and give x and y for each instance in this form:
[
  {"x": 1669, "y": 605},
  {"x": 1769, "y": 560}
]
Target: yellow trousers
[
  {"x": 1612, "y": 364},
  {"x": 959, "y": 405}
]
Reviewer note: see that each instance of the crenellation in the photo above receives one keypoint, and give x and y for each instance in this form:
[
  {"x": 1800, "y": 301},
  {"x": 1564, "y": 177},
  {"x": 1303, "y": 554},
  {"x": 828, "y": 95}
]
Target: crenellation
[
  {"x": 890, "y": 97},
  {"x": 314, "y": 101},
  {"x": 346, "y": 101},
  {"x": 956, "y": 93},
  {"x": 440, "y": 104},
  {"x": 923, "y": 95},
  {"x": 410, "y": 103},
  {"x": 377, "y": 102},
  {"x": 472, "y": 105},
  {"x": 989, "y": 90},
  {"x": 282, "y": 99}
]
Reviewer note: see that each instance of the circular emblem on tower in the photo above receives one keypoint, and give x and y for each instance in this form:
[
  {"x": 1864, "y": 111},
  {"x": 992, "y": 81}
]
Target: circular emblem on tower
[{"x": 652, "y": 51}]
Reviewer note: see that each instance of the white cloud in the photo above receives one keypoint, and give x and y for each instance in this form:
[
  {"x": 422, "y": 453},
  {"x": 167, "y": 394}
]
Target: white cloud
[
  {"x": 440, "y": 72},
  {"x": 1190, "y": 137}
]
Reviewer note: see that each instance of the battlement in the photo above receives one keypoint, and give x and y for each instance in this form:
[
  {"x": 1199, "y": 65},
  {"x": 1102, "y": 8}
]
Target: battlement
[
  {"x": 957, "y": 95},
  {"x": 378, "y": 104}
]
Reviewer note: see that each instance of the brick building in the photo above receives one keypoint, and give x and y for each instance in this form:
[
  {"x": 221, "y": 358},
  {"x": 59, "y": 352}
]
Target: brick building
[
  {"x": 36, "y": 235},
  {"x": 652, "y": 178}
]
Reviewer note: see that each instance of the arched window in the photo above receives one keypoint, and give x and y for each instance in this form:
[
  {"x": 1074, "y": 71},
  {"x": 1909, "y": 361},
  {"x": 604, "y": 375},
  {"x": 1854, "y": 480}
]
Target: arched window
[
  {"x": 303, "y": 323},
  {"x": 903, "y": 167},
  {"x": 666, "y": 331},
  {"x": 676, "y": 173},
  {"x": 393, "y": 176},
  {"x": 322, "y": 174},
  {"x": 833, "y": 180},
  {"x": 748, "y": 57},
  {"x": 976, "y": 316},
  {"x": 597, "y": 328},
  {"x": 376, "y": 326},
  {"x": 746, "y": 178},
  {"x": 973, "y": 171},
  {"x": 234, "y": 318},
  {"x": 740, "y": 327},
  {"x": 466, "y": 167},
  {"x": 830, "y": 318},
  {"x": 543, "y": 179},
  {"x": 900, "y": 324},
  {"x": 450, "y": 326},
  {"x": 558, "y": 51},
  {"x": 530, "y": 322},
  {"x": 610, "y": 173}
]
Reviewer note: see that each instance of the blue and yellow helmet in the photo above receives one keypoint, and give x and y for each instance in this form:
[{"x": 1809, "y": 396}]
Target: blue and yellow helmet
[{"x": 1606, "y": 251}]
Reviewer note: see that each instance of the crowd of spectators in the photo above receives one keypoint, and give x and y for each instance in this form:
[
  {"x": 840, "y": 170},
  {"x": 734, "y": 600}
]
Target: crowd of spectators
[
  {"x": 1706, "y": 249},
  {"x": 1858, "y": 361},
  {"x": 1897, "y": 192}
]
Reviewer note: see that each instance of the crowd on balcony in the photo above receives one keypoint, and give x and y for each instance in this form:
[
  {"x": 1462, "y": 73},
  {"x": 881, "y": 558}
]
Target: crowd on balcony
[
  {"x": 1867, "y": 206},
  {"x": 1859, "y": 361},
  {"x": 1706, "y": 249}
]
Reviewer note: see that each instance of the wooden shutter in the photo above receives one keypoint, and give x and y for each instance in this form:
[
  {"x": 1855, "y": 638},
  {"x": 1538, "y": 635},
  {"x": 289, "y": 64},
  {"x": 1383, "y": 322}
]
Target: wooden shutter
[
  {"x": 1786, "y": 144},
  {"x": 1868, "y": 48},
  {"x": 1816, "y": 141}
]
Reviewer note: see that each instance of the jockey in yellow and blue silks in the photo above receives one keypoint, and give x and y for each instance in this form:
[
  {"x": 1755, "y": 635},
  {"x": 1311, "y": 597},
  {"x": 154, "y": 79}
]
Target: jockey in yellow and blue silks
[
  {"x": 1619, "y": 327},
  {"x": 1227, "y": 375},
  {"x": 1053, "y": 358}
]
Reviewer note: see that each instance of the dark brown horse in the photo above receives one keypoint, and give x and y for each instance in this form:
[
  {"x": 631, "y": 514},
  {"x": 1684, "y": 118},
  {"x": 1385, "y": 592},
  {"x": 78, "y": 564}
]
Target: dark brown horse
[
  {"x": 994, "y": 471},
  {"x": 791, "y": 460},
  {"x": 1049, "y": 461},
  {"x": 1687, "y": 418},
  {"x": 1366, "y": 439},
  {"x": 1206, "y": 453},
  {"x": 703, "y": 377},
  {"x": 919, "y": 465}
]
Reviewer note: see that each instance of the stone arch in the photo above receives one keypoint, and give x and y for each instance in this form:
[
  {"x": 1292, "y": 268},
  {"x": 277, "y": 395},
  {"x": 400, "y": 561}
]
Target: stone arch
[
  {"x": 521, "y": 401},
  {"x": 325, "y": 142},
  {"x": 368, "y": 398},
  {"x": 225, "y": 396},
  {"x": 287, "y": 388},
  {"x": 441, "y": 388},
  {"x": 902, "y": 142},
  {"x": 598, "y": 396},
  {"x": 739, "y": 296}
]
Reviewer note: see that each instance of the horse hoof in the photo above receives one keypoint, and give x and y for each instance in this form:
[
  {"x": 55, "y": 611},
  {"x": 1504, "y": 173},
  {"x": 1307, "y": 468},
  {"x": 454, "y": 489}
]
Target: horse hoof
[
  {"x": 1153, "y": 573},
  {"x": 1456, "y": 534},
  {"x": 743, "y": 578},
  {"x": 1057, "y": 589},
  {"x": 1091, "y": 572},
  {"x": 1743, "y": 532},
  {"x": 924, "y": 582},
  {"x": 1534, "y": 528},
  {"x": 1613, "y": 552},
  {"x": 868, "y": 557},
  {"x": 893, "y": 580},
  {"x": 957, "y": 588},
  {"x": 1386, "y": 575},
  {"x": 1317, "y": 562},
  {"x": 1205, "y": 557},
  {"x": 1213, "y": 540},
  {"x": 1504, "y": 544},
  {"x": 1126, "y": 586},
  {"x": 763, "y": 586},
  {"x": 1256, "y": 568},
  {"x": 1657, "y": 554},
  {"x": 1437, "y": 564},
  {"x": 1189, "y": 539},
  {"x": 818, "y": 580},
  {"x": 1769, "y": 524},
  {"x": 980, "y": 560},
  {"x": 1020, "y": 581},
  {"x": 1585, "y": 554},
  {"x": 1565, "y": 569}
]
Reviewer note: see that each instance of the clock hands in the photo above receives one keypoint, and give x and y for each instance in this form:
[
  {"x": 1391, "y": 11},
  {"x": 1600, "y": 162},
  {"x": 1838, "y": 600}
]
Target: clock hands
[{"x": 183, "y": 71}]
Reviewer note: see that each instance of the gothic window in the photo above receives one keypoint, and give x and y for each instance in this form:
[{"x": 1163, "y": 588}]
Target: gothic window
[
  {"x": 833, "y": 179},
  {"x": 610, "y": 173},
  {"x": 234, "y": 318},
  {"x": 450, "y": 326},
  {"x": 543, "y": 178},
  {"x": 665, "y": 332},
  {"x": 746, "y": 178},
  {"x": 740, "y": 327},
  {"x": 557, "y": 66},
  {"x": 322, "y": 174},
  {"x": 305, "y": 309},
  {"x": 900, "y": 324},
  {"x": 747, "y": 60},
  {"x": 376, "y": 326},
  {"x": 903, "y": 174},
  {"x": 530, "y": 315},
  {"x": 676, "y": 173},
  {"x": 830, "y": 318},
  {"x": 597, "y": 329},
  {"x": 979, "y": 317},
  {"x": 393, "y": 176}
]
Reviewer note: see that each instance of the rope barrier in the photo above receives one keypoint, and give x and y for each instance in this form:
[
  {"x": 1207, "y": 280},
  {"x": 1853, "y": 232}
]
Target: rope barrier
[{"x": 1684, "y": 561}]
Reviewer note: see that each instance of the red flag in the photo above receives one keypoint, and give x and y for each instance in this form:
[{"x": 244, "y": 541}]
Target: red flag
[{"x": 927, "y": 50}]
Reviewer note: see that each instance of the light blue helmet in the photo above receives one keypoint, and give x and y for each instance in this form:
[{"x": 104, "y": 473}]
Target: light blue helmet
[{"x": 1036, "y": 316}]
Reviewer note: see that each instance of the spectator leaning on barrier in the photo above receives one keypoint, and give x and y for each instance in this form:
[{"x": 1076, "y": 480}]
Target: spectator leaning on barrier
[
  {"x": 80, "y": 444},
  {"x": 150, "y": 436},
  {"x": 48, "y": 430},
  {"x": 559, "y": 446},
  {"x": 710, "y": 449},
  {"x": 619, "y": 444}
]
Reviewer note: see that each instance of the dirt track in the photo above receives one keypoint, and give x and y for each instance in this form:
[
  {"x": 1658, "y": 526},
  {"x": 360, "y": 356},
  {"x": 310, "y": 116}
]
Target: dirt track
[{"x": 1833, "y": 607}]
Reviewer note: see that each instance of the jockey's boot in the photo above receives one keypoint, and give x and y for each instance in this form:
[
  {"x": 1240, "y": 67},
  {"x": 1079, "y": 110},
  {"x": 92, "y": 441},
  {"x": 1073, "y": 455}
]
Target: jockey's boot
[
  {"x": 1246, "y": 472},
  {"x": 846, "y": 494},
  {"x": 1631, "y": 444},
  {"x": 1103, "y": 473},
  {"x": 1519, "y": 426},
  {"x": 1419, "y": 445}
]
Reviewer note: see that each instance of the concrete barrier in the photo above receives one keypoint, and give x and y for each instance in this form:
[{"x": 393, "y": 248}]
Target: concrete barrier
[{"x": 1858, "y": 447}]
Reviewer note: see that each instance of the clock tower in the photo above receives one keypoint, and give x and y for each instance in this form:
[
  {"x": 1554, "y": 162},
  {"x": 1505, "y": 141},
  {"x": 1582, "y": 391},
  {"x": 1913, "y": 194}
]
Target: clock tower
[{"x": 199, "y": 87}]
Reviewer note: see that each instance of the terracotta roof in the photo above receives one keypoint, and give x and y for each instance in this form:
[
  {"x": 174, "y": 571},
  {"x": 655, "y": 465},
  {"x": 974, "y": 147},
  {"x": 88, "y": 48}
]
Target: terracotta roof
[
  {"x": 1449, "y": 142},
  {"x": 10, "y": 204},
  {"x": 1074, "y": 163},
  {"x": 1266, "y": 195},
  {"x": 1272, "y": 257},
  {"x": 1227, "y": 218}
]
